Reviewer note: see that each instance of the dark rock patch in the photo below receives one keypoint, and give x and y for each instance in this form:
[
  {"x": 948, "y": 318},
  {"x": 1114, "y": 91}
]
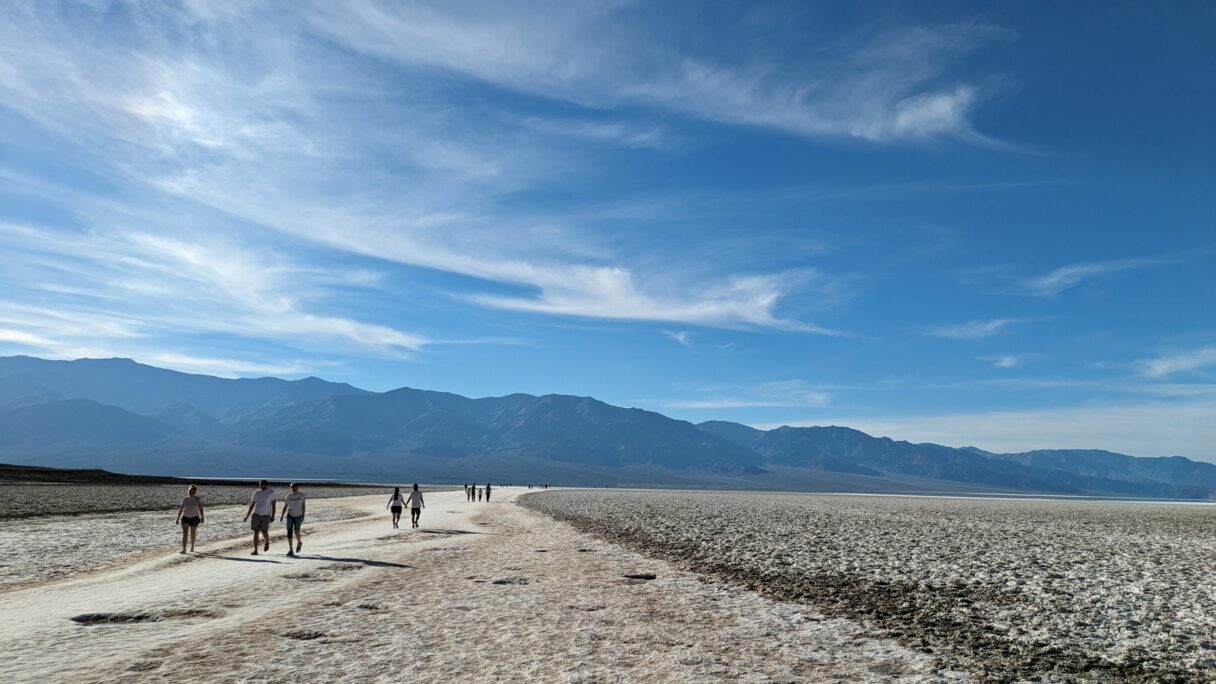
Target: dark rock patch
[
  {"x": 94, "y": 619},
  {"x": 303, "y": 635}
]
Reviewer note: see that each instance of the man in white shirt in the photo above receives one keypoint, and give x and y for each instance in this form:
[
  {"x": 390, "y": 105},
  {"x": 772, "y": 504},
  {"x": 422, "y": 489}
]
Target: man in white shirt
[
  {"x": 293, "y": 510},
  {"x": 262, "y": 506}
]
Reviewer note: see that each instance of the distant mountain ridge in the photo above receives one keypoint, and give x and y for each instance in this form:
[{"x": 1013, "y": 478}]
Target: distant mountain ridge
[{"x": 122, "y": 415}]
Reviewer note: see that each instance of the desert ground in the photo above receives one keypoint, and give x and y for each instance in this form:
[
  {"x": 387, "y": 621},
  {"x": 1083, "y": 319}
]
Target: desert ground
[
  {"x": 481, "y": 592},
  {"x": 1004, "y": 589}
]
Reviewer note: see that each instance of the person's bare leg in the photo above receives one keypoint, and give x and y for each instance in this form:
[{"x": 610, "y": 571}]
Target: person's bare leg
[
  {"x": 299, "y": 539},
  {"x": 255, "y": 542},
  {"x": 184, "y": 533},
  {"x": 193, "y": 535},
  {"x": 266, "y": 536}
]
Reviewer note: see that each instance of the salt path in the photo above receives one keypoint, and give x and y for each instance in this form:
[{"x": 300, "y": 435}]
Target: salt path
[{"x": 482, "y": 592}]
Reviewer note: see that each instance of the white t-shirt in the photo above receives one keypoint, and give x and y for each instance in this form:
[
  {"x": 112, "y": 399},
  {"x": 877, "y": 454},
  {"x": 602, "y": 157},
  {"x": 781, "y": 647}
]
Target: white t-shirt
[
  {"x": 415, "y": 499},
  {"x": 263, "y": 500},
  {"x": 190, "y": 506},
  {"x": 295, "y": 504}
]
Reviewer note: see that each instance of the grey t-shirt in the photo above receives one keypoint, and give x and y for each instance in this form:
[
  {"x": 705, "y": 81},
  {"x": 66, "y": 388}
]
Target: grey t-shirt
[{"x": 295, "y": 504}]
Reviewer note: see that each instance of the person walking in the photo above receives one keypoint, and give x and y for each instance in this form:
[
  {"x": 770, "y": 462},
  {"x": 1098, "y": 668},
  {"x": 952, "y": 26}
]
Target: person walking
[
  {"x": 293, "y": 510},
  {"x": 416, "y": 506},
  {"x": 479, "y": 492},
  {"x": 262, "y": 506},
  {"x": 395, "y": 504},
  {"x": 190, "y": 516},
  {"x": 487, "y": 492}
]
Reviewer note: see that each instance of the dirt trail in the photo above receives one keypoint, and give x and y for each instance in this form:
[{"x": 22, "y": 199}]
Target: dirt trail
[{"x": 481, "y": 592}]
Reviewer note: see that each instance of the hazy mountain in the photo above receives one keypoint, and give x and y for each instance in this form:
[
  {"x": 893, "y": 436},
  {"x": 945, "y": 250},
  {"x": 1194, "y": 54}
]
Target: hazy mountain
[
  {"x": 20, "y": 389},
  {"x": 564, "y": 428},
  {"x": 1106, "y": 464},
  {"x": 148, "y": 390},
  {"x": 1061, "y": 471},
  {"x": 190, "y": 419},
  {"x": 81, "y": 422},
  {"x": 125, "y": 416}
]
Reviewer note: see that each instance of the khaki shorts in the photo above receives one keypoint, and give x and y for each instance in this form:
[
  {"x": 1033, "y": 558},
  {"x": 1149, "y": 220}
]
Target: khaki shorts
[{"x": 261, "y": 523}]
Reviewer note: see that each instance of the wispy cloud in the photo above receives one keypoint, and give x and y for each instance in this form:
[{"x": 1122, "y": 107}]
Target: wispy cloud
[
  {"x": 623, "y": 133},
  {"x": 228, "y": 368},
  {"x": 681, "y": 337},
  {"x": 139, "y": 286},
  {"x": 612, "y": 293},
  {"x": 1182, "y": 362},
  {"x": 879, "y": 86},
  {"x": 1091, "y": 386},
  {"x": 776, "y": 394},
  {"x": 1053, "y": 284},
  {"x": 292, "y": 136},
  {"x": 972, "y": 330},
  {"x": 1006, "y": 360}
]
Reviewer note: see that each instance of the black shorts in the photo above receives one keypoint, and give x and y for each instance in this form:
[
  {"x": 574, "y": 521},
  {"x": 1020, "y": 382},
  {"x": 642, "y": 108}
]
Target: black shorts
[
  {"x": 415, "y": 511},
  {"x": 395, "y": 509},
  {"x": 191, "y": 522}
]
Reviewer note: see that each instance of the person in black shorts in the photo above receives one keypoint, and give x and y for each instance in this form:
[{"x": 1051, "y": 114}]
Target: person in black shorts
[
  {"x": 395, "y": 504},
  {"x": 416, "y": 506},
  {"x": 190, "y": 516}
]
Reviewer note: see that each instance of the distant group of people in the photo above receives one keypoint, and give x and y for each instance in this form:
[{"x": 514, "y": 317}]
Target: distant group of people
[
  {"x": 474, "y": 493},
  {"x": 264, "y": 505}
]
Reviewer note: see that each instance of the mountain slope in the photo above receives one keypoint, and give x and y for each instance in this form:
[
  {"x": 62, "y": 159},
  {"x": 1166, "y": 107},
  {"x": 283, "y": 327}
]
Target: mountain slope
[
  {"x": 127, "y": 416},
  {"x": 1067, "y": 471},
  {"x": 574, "y": 429},
  {"x": 148, "y": 390},
  {"x": 84, "y": 422}
]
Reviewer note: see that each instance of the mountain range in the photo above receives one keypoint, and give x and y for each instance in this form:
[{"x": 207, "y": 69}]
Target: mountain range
[{"x": 121, "y": 415}]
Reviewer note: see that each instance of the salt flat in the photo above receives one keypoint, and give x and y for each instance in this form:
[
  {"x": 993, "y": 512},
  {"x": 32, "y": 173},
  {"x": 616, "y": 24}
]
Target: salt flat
[
  {"x": 1003, "y": 589},
  {"x": 483, "y": 592}
]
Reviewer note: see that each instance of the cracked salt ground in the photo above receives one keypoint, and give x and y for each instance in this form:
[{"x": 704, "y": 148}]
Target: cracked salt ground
[
  {"x": 1008, "y": 589},
  {"x": 576, "y": 619}
]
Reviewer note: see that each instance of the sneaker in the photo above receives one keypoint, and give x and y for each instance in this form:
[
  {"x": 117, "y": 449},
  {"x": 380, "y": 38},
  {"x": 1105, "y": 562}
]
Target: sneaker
[
  {"x": 299, "y": 545},
  {"x": 289, "y": 553},
  {"x": 255, "y": 552},
  {"x": 182, "y": 551},
  {"x": 267, "y": 546}
]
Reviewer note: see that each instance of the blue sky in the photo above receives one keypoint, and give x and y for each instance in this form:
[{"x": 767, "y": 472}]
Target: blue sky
[{"x": 989, "y": 224}]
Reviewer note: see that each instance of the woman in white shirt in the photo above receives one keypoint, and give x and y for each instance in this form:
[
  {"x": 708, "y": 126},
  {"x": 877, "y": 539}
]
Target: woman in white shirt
[
  {"x": 416, "y": 506},
  {"x": 395, "y": 504},
  {"x": 190, "y": 516}
]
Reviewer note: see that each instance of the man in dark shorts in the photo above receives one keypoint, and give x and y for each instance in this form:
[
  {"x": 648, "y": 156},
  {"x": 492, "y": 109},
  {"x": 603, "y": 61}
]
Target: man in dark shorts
[
  {"x": 293, "y": 511},
  {"x": 416, "y": 506},
  {"x": 487, "y": 492},
  {"x": 262, "y": 506}
]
